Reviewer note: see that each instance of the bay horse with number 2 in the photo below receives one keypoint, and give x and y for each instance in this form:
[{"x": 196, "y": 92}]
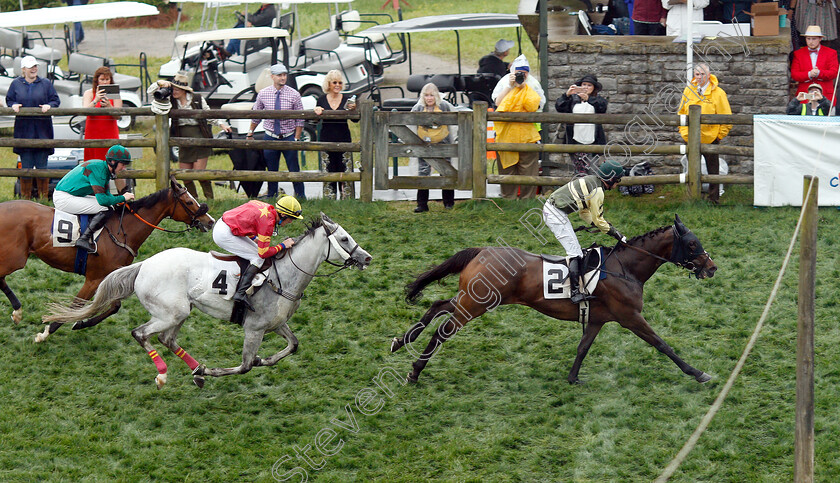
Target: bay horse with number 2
[
  {"x": 494, "y": 276},
  {"x": 26, "y": 228}
]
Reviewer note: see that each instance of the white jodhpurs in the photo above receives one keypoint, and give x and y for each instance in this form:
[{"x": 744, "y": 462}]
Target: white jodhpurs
[
  {"x": 562, "y": 228},
  {"x": 77, "y": 205},
  {"x": 241, "y": 246}
]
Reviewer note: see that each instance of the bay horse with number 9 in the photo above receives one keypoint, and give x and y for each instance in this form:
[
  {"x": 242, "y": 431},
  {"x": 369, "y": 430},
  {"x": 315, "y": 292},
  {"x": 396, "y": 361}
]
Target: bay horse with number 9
[
  {"x": 492, "y": 276},
  {"x": 26, "y": 228}
]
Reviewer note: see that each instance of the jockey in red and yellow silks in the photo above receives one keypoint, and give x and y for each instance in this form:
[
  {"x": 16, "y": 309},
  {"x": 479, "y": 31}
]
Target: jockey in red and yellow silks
[{"x": 246, "y": 231}]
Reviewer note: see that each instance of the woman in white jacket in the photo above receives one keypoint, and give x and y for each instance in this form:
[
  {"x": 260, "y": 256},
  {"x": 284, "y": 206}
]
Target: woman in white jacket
[{"x": 677, "y": 12}]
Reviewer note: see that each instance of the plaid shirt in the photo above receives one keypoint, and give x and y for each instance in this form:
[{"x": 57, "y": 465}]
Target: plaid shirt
[{"x": 289, "y": 101}]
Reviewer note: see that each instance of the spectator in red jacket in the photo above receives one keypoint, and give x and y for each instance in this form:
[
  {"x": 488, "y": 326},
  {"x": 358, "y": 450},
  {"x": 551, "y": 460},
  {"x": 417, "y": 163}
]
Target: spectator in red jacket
[
  {"x": 649, "y": 17},
  {"x": 815, "y": 63}
]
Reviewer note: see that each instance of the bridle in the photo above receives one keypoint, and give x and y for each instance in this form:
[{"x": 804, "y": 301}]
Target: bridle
[
  {"x": 194, "y": 215},
  {"x": 347, "y": 256},
  {"x": 679, "y": 256}
]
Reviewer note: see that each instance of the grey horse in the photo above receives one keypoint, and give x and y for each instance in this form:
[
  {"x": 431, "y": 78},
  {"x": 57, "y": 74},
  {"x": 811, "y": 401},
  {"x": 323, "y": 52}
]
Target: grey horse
[{"x": 171, "y": 282}]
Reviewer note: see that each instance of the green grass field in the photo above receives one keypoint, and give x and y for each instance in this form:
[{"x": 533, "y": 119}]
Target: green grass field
[{"x": 494, "y": 405}]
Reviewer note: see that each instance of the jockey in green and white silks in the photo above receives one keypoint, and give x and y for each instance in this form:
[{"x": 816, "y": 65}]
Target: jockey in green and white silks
[
  {"x": 84, "y": 190},
  {"x": 585, "y": 196}
]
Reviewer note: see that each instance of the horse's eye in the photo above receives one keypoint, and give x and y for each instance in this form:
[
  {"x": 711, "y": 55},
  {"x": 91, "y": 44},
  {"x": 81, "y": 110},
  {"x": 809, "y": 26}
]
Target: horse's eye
[{"x": 344, "y": 238}]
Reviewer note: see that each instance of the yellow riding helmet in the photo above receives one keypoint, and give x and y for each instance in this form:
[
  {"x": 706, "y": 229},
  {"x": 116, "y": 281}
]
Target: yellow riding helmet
[{"x": 289, "y": 206}]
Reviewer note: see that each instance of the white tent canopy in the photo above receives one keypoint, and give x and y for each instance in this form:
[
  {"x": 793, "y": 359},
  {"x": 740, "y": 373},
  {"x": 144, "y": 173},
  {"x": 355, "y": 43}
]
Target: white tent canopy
[
  {"x": 227, "y": 34},
  {"x": 75, "y": 13}
]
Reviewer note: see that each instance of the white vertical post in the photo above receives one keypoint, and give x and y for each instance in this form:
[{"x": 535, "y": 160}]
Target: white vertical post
[{"x": 689, "y": 38}]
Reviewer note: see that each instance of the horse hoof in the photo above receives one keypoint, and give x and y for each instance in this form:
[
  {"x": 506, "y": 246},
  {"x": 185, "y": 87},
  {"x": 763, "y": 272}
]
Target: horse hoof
[
  {"x": 575, "y": 382},
  {"x": 395, "y": 344},
  {"x": 411, "y": 378},
  {"x": 257, "y": 361},
  {"x": 703, "y": 377},
  {"x": 40, "y": 337},
  {"x": 199, "y": 370},
  {"x": 160, "y": 380},
  {"x": 17, "y": 316},
  {"x": 199, "y": 381}
]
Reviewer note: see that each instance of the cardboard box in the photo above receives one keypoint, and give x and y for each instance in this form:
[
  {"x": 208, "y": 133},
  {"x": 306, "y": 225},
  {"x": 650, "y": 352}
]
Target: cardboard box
[{"x": 765, "y": 18}]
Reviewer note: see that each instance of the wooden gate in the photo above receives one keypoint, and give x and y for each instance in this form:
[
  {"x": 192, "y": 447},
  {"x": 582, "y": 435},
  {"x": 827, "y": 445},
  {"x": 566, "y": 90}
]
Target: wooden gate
[{"x": 452, "y": 161}]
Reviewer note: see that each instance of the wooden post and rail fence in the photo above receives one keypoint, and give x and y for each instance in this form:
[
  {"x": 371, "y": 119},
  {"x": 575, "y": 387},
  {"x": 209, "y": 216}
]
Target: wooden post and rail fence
[{"x": 375, "y": 147}]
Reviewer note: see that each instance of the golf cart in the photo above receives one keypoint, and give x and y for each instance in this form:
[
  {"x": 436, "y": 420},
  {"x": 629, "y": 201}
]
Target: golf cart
[
  {"x": 308, "y": 58},
  {"x": 457, "y": 88},
  {"x": 72, "y": 84}
]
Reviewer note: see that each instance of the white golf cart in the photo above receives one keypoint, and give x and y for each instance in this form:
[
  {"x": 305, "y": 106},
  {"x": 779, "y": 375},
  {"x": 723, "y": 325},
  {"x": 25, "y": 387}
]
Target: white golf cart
[
  {"x": 308, "y": 58},
  {"x": 72, "y": 84},
  {"x": 458, "y": 88}
]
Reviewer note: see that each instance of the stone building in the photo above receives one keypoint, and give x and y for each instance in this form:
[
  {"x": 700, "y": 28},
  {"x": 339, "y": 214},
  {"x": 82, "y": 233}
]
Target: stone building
[{"x": 638, "y": 73}]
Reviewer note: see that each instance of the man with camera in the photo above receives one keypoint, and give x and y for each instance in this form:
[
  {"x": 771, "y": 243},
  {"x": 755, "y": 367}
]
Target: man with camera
[
  {"x": 178, "y": 94},
  {"x": 518, "y": 92},
  {"x": 811, "y": 103}
]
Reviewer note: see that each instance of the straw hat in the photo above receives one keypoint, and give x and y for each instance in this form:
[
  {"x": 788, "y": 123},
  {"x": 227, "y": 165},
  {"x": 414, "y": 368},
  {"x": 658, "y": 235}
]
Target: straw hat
[
  {"x": 181, "y": 81},
  {"x": 813, "y": 31}
]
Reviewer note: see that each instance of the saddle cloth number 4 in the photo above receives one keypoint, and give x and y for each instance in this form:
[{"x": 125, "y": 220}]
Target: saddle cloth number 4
[{"x": 222, "y": 278}]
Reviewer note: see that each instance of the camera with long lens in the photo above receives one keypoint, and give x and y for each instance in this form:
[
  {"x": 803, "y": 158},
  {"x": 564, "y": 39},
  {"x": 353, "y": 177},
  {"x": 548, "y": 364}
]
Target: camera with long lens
[
  {"x": 162, "y": 94},
  {"x": 519, "y": 77}
]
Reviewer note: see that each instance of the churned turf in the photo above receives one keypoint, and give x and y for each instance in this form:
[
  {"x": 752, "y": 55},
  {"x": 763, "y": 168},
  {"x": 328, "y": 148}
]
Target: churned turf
[{"x": 494, "y": 405}]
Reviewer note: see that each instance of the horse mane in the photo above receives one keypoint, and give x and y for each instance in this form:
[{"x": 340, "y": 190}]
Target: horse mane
[
  {"x": 649, "y": 234},
  {"x": 149, "y": 200},
  {"x": 311, "y": 226}
]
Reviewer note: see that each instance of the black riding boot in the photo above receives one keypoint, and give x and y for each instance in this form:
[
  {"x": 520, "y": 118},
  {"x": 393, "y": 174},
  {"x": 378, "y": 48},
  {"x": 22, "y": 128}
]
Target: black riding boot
[
  {"x": 86, "y": 240},
  {"x": 244, "y": 283},
  {"x": 574, "y": 282}
]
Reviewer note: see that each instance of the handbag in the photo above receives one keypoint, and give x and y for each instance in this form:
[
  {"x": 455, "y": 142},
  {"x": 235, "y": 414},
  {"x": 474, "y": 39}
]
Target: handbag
[{"x": 433, "y": 133}]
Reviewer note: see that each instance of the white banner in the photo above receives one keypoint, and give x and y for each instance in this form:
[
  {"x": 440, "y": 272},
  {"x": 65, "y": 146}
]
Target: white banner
[{"x": 790, "y": 147}]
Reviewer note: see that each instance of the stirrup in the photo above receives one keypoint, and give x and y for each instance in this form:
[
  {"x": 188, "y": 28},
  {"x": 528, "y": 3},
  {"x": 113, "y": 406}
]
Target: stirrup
[
  {"x": 90, "y": 247},
  {"x": 579, "y": 297},
  {"x": 244, "y": 301}
]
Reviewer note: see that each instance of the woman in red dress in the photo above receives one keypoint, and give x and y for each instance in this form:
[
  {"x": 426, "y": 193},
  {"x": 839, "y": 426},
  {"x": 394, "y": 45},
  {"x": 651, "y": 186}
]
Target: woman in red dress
[{"x": 100, "y": 127}]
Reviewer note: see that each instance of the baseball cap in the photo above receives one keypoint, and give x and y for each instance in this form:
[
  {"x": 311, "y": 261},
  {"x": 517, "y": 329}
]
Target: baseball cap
[
  {"x": 815, "y": 85},
  {"x": 504, "y": 45},
  {"x": 278, "y": 69},
  {"x": 28, "y": 62}
]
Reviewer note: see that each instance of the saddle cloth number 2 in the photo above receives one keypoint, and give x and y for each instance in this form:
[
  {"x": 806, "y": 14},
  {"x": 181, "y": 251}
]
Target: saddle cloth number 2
[{"x": 555, "y": 285}]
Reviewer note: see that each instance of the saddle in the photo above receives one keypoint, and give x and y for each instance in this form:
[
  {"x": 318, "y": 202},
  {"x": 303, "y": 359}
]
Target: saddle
[
  {"x": 591, "y": 259},
  {"x": 243, "y": 264}
]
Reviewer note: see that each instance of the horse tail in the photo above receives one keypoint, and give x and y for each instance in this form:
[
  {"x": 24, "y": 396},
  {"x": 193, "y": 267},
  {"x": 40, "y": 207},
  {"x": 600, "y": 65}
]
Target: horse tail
[
  {"x": 118, "y": 285},
  {"x": 454, "y": 264}
]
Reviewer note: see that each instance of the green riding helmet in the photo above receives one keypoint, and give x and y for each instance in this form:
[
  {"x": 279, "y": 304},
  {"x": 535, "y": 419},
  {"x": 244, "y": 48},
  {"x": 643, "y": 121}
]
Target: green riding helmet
[
  {"x": 117, "y": 154},
  {"x": 610, "y": 171}
]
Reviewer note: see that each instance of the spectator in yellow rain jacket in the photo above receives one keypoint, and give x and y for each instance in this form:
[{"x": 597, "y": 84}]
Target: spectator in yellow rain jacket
[
  {"x": 705, "y": 91},
  {"x": 518, "y": 92}
]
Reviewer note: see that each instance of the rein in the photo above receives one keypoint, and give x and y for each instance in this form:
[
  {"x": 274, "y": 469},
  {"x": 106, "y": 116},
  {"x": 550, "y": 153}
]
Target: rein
[
  {"x": 677, "y": 246},
  {"x": 194, "y": 215}
]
